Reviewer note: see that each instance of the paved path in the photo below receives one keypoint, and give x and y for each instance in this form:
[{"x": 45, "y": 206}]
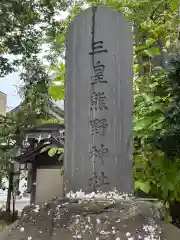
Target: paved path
[{"x": 20, "y": 203}]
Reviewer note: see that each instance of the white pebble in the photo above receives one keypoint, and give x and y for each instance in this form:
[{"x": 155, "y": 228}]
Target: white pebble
[
  {"x": 98, "y": 221},
  {"x": 128, "y": 234},
  {"x": 22, "y": 229}
]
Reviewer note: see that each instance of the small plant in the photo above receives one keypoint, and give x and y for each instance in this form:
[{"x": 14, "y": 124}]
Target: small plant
[
  {"x": 3, "y": 225},
  {"x": 62, "y": 171},
  {"x": 157, "y": 138}
]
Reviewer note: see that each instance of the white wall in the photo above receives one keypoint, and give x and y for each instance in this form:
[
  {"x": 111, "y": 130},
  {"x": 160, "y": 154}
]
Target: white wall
[
  {"x": 49, "y": 184},
  {"x": 3, "y": 100}
]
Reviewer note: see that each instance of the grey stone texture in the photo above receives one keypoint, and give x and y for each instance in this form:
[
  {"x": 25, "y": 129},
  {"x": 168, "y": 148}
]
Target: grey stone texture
[
  {"x": 90, "y": 220},
  {"x": 106, "y": 79}
]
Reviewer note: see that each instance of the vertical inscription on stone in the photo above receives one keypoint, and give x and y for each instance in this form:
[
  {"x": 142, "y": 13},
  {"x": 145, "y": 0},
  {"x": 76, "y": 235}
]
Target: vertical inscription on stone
[
  {"x": 98, "y": 125},
  {"x": 98, "y": 103}
]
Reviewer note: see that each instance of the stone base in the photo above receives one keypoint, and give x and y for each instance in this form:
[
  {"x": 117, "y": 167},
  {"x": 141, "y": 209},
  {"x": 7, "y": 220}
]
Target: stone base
[
  {"x": 133, "y": 219},
  {"x": 171, "y": 232}
]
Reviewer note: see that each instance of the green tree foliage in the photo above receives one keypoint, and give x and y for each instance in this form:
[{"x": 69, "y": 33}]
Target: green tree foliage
[
  {"x": 169, "y": 139},
  {"x": 56, "y": 88},
  {"x": 23, "y": 26},
  {"x": 56, "y": 33},
  {"x": 30, "y": 112}
]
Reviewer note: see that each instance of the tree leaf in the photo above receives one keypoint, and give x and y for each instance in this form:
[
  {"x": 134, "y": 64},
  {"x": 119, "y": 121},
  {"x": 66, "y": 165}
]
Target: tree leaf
[
  {"x": 151, "y": 52},
  {"x": 174, "y": 4},
  {"x": 170, "y": 186},
  {"x": 143, "y": 186},
  {"x": 62, "y": 171},
  {"x": 150, "y": 41},
  {"x": 60, "y": 150},
  {"x": 158, "y": 68},
  {"x": 136, "y": 68},
  {"x": 178, "y": 199},
  {"x": 142, "y": 124},
  {"x": 138, "y": 48},
  {"x": 60, "y": 78},
  {"x": 60, "y": 38},
  {"x": 168, "y": 43},
  {"x": 52, "y": 152},
  {"x": 56, "y": 91}
]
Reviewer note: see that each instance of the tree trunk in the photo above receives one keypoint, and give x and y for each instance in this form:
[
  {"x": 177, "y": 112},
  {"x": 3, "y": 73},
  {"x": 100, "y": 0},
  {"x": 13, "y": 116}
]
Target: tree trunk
[{"x": 10, "y": 189}]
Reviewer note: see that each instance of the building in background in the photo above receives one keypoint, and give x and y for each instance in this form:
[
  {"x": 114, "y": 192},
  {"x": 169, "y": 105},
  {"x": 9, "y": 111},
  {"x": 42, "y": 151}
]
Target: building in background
[
  {"x": 44, "y": 180},
  {"x": 3, "y": 103}
]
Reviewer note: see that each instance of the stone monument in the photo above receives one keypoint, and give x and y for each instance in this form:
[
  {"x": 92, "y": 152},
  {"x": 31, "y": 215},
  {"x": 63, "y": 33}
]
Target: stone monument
[
  {"x": 98, "y": 102},
  {"x": 98, "y": 142}
]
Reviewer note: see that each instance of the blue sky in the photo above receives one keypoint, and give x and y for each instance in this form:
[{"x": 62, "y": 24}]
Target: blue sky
[{"x": 9, "y": 85}]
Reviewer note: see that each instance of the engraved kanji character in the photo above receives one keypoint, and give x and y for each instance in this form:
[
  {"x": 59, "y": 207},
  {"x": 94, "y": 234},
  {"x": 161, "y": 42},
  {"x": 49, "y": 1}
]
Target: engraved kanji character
[
  {"x": 98, "y": 73},
  {"x": 101, "y": 179},
  {"x": 98, "y": 100},
  {"x": 99, "y": 153},
  {"x": 97, "y": 47},
  {"x": 93, "y": 181},
  {"x": 98, "y": 126}
]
